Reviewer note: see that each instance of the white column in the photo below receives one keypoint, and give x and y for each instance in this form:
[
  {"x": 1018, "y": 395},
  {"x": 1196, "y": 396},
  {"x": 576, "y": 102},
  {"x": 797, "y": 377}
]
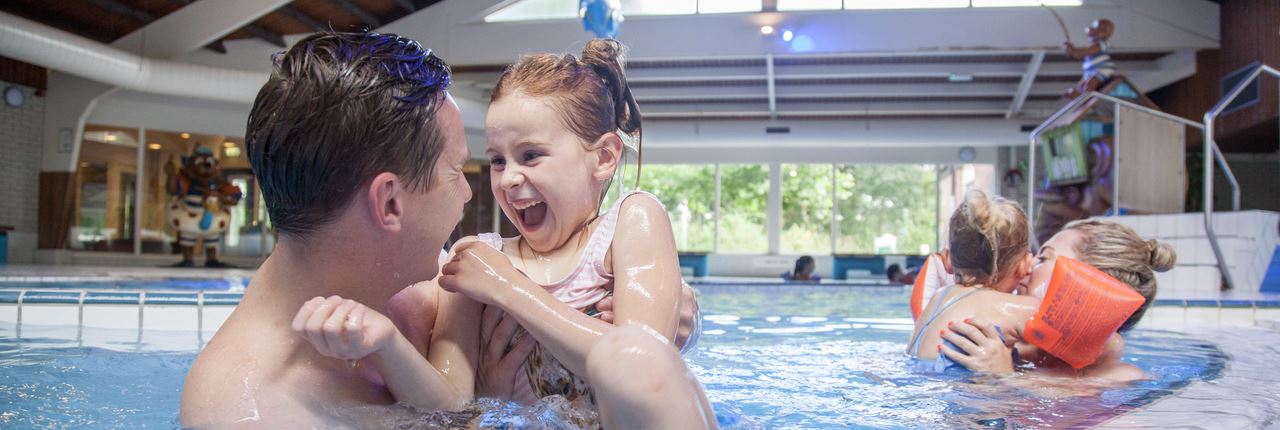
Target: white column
[
  {"x": 715, "y": 235},
  {"x": 773, "y": 218},
  {"x": 139, "y": 179}
]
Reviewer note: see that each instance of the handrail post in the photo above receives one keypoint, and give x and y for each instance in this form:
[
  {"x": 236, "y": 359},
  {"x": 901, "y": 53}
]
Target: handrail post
[
  {"x": 1211, "y": 150},
  {"x": 1115, "y": 162},
  {"x": 1209, "y": 146},
  {"x": 1031, "y": 193}
]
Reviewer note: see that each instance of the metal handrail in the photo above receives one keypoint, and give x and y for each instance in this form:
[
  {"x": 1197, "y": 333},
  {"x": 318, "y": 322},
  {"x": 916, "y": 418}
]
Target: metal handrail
[
  {"x": 1115, "y": 193},
  {"x": 1210, "y": 143}
]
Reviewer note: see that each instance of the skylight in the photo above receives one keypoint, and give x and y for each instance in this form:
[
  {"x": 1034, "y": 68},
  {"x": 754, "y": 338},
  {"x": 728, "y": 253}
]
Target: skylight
[
  {"x": 728, "y": 6},
  {"x": 535, "y": 10},
  {"x": 659, "y": 7},
  {"x": 904, "y": 4},
  {"x": 1024, "y": 3},
  {"x": 789, "y": 5}
]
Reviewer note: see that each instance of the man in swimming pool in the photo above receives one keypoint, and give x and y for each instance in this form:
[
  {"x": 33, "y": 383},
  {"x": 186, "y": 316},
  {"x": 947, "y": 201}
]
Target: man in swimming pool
[{"x": 359, "y": 150}]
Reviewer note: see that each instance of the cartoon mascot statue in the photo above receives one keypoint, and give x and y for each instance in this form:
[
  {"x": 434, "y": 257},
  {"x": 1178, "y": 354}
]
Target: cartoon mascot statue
[{"x": 201, "y": 205}]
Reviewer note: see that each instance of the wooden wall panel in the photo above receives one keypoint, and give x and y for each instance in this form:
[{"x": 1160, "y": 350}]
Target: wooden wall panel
[
  {"x": 56, "y": 200},
  {"x": 23, "y": 73},
  {"x": 1250, "y": 32},
  {"x": 1147, "y": 183}
]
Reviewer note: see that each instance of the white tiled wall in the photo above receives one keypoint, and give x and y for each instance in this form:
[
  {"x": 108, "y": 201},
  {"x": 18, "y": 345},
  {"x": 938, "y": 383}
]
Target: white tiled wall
[
  {"x": 21, "y": 131},
  {"x": 1247, "y": 239},
  {"x": 110, "y": 316},
  {"x": 1182, "y": 318}
]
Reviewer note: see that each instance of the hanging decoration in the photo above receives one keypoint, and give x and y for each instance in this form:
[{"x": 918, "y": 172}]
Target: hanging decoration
[{"x": 601, "y": 17}]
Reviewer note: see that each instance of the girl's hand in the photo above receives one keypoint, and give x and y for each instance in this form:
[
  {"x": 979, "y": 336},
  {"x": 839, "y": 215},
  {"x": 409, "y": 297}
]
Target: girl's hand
[
  {"x": 343, "y": 328},
  {"x": 981, "y": 347},
  {"x": 688, "y": 311},
  {"x": 480, "y": 272},
  {"x": 500, "y": 361}
]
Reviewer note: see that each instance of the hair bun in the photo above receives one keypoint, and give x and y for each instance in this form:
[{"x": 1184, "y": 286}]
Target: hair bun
[
  {"x": 979, "y": 209},
  {"x": 605, "y": 51},
  {"x": 1162, "y": 256}
]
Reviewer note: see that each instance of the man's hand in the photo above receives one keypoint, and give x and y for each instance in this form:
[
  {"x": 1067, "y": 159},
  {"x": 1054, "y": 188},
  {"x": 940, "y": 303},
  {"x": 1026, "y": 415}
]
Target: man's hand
[{"x": 501, "y": 362}]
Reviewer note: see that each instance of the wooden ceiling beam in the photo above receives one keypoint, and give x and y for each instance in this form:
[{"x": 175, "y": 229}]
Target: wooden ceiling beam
[
  {"x": 217, "y": 46},
  {"x": 297, "y": 15},
  {"x": 264, "y": 34},
  {"x": 145, "y": 18},
  {"x": 407, "y": 5},
  {"x": 118, "y": 8},
  {"x": 253, "y": 29},
  {"x": 368, "y": 18}
]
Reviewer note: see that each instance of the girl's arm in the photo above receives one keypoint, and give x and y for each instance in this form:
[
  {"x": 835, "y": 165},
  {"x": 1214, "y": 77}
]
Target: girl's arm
[
  {"x": 486, "y": 275},
  {"x": 452, "y": 357},
  {"x": 345, "y": 329},
  {"x": 646, "y": 286},
  {"x": 647, "y": 282}
]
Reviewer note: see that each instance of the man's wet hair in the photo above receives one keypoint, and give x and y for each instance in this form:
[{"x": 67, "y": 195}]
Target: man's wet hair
[{"x": 338, "y": 109}]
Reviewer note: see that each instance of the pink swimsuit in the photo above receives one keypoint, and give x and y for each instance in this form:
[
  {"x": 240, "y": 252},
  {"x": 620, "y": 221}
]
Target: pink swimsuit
[{"x": 589, "y": 282}]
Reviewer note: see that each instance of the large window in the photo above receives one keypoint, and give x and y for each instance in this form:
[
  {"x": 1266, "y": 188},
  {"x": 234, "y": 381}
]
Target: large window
[
  {"x": 688, "y": 192},
  {"x": 885, "y": 209},
  {"x": 825, "y": 208},
  {"x": 744, "y": 196},
  {"x": 106, "y": 184},
  {"x": 806, "y": 209},
  {"x": 114, "y": 193}
]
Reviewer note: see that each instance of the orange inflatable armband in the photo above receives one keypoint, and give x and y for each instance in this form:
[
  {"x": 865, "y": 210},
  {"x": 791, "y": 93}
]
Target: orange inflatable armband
[
  {"x": 933, "y": 276},
  {"x": 1082, "y": 308}
]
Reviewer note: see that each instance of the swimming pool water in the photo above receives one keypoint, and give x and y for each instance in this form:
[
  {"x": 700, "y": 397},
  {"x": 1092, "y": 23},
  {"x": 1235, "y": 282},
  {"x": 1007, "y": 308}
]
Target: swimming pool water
[{"x": 770, "y": 357}]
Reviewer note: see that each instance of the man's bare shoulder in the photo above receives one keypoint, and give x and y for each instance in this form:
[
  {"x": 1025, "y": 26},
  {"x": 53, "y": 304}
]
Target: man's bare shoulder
[{"x": 246, "y": 381}]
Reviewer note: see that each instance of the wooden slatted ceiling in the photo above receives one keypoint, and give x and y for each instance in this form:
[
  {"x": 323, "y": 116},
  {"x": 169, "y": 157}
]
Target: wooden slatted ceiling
[
  {"x": 280, "y": 23},
  {"x": 330, "y": 14},
  {"x": 76, "y": 17},
  {"x": 108, "y": 20}
]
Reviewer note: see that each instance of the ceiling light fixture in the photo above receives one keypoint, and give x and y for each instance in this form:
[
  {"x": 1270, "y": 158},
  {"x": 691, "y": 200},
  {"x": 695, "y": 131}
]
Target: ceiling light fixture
[
  {"x": 787, "y": 36},
  {"x": 766, "y": 30}
]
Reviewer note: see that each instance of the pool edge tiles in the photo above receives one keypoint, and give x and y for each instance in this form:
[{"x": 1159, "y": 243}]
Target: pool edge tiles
[
  {"x": 112, "y": 309},
  {"x": 1246, "y": 393}
]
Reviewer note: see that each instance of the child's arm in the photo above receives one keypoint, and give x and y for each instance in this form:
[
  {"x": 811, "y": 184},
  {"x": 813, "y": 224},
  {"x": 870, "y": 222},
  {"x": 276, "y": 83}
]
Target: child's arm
[
  {"x": 646, "y": 283},
  {"x": 486, "y": 275},
  {"x": 344, "y": 329},
  {"x": 646, "y": 269}
]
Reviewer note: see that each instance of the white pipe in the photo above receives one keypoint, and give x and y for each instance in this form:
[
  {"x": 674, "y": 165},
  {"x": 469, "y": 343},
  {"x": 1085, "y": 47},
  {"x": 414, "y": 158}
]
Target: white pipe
[{"x": 48, "y": 47}]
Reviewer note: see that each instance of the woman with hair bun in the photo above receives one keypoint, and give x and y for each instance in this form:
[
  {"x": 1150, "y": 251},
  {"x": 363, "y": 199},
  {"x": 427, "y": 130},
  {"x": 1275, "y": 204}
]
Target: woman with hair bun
[{"x": 1114, "y": 249}]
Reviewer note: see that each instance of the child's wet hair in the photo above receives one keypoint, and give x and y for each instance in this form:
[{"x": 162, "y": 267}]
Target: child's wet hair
[
  {"x": 591, "y": 92},
  {"x": 988, "y": 237}
]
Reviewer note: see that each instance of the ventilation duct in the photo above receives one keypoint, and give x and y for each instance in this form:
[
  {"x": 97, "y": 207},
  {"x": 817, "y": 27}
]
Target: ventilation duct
[{"x": 38, "y": 44}]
